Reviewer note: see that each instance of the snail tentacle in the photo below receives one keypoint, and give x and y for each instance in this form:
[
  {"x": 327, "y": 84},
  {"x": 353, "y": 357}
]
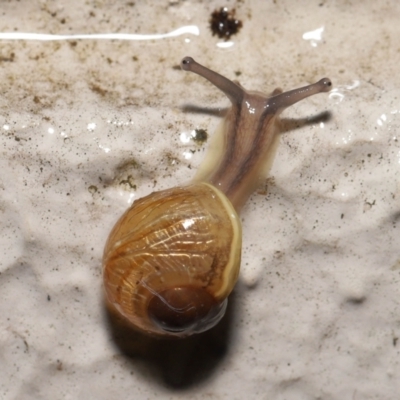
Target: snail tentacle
[{"x": 232, "y": 90}]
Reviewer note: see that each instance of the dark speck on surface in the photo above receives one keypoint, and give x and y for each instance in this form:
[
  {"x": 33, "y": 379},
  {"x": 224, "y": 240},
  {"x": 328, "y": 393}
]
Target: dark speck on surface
[{"x": 224, "y": 24}]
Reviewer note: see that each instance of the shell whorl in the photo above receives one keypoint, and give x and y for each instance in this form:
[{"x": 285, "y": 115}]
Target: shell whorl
[{"x": 184, "y": 238}]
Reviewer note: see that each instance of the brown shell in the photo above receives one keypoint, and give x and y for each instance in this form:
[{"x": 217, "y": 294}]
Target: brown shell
[{"x": 184, "y": 237}]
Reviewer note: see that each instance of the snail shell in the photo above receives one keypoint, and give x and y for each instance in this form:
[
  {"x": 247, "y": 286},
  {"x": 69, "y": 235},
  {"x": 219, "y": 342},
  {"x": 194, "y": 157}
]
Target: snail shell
[{"x": 173, "y": 258}]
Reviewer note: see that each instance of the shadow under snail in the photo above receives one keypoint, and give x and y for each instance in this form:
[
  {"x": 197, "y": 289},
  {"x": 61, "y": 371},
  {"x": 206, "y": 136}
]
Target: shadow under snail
[{"x": 173, "y": 257}]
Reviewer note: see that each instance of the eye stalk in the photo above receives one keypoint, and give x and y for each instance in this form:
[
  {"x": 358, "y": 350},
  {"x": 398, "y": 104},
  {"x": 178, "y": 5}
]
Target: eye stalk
[{"x": 171, "y": 278}]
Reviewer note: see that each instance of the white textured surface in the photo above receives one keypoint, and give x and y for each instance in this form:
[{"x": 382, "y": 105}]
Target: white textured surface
[{"x": 316, "y": 313}]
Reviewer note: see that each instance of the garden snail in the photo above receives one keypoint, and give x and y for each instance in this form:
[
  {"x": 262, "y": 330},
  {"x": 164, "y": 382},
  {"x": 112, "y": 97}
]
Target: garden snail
[{"x": 173, "y": 257}]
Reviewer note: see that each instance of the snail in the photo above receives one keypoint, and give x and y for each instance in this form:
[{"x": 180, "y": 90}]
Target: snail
[{"x": 173, "y": 257}]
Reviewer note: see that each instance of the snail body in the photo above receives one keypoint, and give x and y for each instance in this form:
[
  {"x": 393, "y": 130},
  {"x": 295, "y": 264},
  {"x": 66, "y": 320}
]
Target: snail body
[{"x": 173, "y": 257}]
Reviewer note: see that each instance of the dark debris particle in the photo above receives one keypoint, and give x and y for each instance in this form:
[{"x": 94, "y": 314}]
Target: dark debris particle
[
  {"x": 200, "y": 136},
  {"x": 224, "y": 24},
  {"x": 9, "y": 58}
]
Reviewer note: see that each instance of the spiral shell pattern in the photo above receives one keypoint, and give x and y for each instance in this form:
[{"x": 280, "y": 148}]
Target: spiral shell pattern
[{"x": 184, "y": 237}]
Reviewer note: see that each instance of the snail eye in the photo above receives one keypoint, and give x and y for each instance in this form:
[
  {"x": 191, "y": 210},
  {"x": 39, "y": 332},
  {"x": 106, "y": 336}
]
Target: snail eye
[{"x": 185, "y": 309}]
